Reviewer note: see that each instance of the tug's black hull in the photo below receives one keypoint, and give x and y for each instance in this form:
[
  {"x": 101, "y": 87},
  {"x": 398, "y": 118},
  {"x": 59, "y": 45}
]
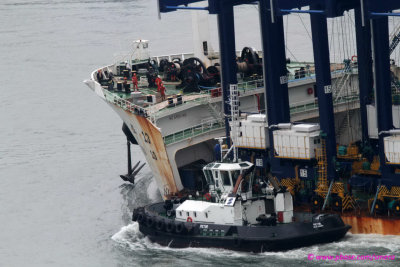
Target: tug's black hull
[{"x": 169, "y": 232}]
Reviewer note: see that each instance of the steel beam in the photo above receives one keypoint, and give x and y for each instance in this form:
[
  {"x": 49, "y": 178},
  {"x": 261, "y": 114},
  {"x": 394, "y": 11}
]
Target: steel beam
[
  {"x": 275, "y": 74},
  {"x": 364, "y": 59},
  {"x": 380, "y": 37},
  {"x": 226, "y": 29},
  {"x": 319, "y": 31}
]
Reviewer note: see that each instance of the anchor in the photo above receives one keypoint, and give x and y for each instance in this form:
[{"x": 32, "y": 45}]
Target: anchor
[{"x": 132, "y": 172}]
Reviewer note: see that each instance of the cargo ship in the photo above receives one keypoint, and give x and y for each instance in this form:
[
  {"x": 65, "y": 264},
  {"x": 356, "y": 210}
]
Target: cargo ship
[{"x": 325, "y": 132}]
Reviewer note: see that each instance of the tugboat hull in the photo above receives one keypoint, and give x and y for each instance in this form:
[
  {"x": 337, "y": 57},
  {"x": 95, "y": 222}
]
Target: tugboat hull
[{"x": 255, "y": 238}]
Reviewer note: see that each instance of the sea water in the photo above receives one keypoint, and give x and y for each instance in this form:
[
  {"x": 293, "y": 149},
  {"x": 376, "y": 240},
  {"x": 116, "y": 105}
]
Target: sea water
[{"x": 62, "y": 202}]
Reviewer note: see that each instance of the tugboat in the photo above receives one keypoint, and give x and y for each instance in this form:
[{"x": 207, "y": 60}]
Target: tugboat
[
  {"x": 238, "y": 210},
  {"x": 239, "y": 213},
  {"x": 349, "y": 164}
]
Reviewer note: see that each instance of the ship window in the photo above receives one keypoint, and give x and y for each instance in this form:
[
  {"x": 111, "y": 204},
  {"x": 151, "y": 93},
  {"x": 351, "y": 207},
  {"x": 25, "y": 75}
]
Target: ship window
[
  {"x": 243, "y": 164},
  {"x": 187, "y": 213},
  {"x": 235, "y": 175},
  {"x": 209, "y": 178},
  {"x": 180, "y": 213},
  {"x": 206, "y": 214},
  {"x": 225, "y": 178},
  {"x": 195, "y": 214}
]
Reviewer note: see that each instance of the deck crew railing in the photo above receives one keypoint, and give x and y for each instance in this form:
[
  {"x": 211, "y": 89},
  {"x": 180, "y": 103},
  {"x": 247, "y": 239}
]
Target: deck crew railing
[
  {"x": 194, "y": 131},
  {"x": 125, "y": 104},
  {"x": 303, "y": 106},
  {"x": 213, "y": 124}
]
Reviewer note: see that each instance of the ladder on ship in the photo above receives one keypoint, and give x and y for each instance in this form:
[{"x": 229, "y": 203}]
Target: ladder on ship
[
  {"x": 347, "y": 201},
  {"x": 234, "y": 103},
  {"x": 322, "y": 186}
]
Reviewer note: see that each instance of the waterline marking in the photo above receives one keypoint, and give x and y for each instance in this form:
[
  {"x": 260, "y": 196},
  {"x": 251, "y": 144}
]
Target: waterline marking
[{"x": 342, "y": 257}]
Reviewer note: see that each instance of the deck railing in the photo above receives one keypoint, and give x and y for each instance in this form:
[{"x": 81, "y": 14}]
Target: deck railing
[
  {"x": 125, "y": 104},
  {"x": 194, "y": 131},
  {"x": 207, "y": 95},
  {"x": 303, "y": 106}
]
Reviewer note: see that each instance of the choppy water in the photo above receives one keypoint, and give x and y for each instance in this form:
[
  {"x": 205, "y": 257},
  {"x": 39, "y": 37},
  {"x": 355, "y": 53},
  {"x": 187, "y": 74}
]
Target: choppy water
[{"x": 61, "y": 151}]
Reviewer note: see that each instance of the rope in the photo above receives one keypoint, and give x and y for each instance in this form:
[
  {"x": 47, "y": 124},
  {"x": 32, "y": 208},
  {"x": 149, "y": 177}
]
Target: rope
[
  {"x": 292, "y": 54},
  {"x": 309, "y": 35}
]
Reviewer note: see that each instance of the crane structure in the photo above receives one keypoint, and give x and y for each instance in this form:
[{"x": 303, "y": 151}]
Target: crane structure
[{"x": 373, "y": 52}]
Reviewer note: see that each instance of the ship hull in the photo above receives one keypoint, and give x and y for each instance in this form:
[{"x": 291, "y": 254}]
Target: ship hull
[
  {"x": 255, "y": 239},
  {"x": 373, "y": 225}
]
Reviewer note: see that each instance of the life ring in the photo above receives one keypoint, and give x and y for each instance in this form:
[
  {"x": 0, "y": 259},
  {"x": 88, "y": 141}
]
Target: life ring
[
  {"x": 207, "y": 196},
  {"x": 354, "y": 58},
  {"x": 189, "y": 219},
  {"x": 310, "y": 91}
]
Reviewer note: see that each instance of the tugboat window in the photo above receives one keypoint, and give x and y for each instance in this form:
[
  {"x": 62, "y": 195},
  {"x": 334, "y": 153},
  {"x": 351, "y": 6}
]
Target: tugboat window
[
  {"x": 187, "y": 214},
  {"x": 209, "y": 178},
  {"x": 225, "y": 177},
  {"x": 206, "y": 215},
  {"x": 195, "y": 214},
  {"x": 235, "y": 175},
  {"x": 180, "y": 213}
]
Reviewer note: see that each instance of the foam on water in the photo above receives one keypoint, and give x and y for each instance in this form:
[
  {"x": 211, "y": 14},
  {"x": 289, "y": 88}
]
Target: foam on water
[{"x": 129, "y": 237}]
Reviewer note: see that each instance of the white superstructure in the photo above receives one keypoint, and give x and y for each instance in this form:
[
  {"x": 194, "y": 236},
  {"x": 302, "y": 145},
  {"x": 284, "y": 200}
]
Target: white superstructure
[{"x": 297, "y": 141}]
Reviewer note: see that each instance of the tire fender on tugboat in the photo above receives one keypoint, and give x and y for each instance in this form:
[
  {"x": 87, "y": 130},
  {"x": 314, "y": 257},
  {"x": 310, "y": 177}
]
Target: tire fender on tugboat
[
  {"x": 150, "y": 222},
  {"x": 180, "y": 228},
  {"x": 169, "y": 227},
  {"x": 141, "y": 218},
  {"x": 160, "y": 225},
  {"x": 135, "y": 216}
]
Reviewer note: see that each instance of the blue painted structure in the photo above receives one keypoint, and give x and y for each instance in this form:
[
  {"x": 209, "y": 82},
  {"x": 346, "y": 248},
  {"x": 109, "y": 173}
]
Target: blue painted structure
[
  {"x": 275, "y": 79},
  {"x": 380, "y": 30},
  {"x": 274, "y": 61},
  {"x": 319, "y": 31},
  {"x": 364, "y": 58}
]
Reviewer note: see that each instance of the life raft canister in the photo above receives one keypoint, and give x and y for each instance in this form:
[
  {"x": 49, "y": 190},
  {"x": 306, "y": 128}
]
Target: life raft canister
[{"x": 189, "y": 219}]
